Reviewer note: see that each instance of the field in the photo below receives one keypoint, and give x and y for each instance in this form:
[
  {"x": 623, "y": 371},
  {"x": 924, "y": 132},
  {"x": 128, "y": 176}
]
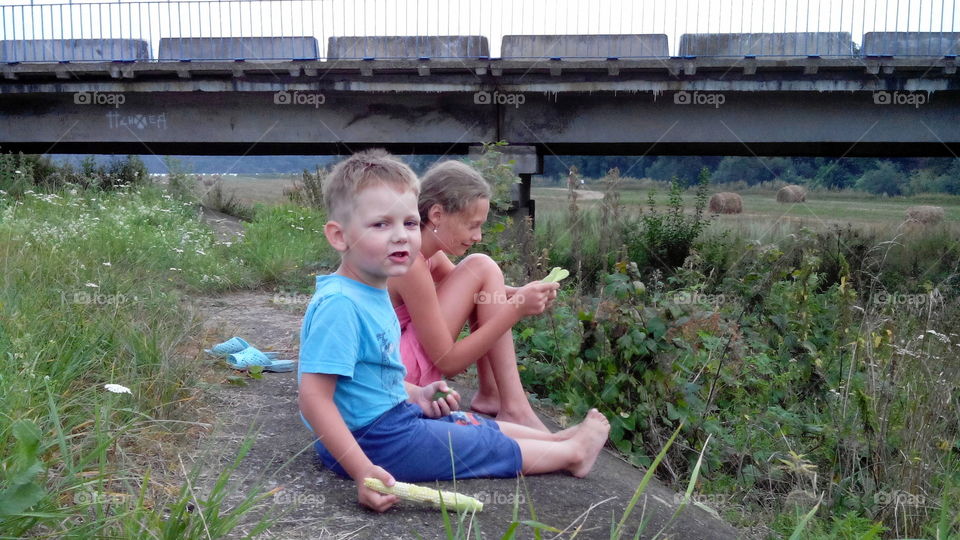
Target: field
[
  {"x": 822, "y": 209},
  {"x": 803, "y": 355}
]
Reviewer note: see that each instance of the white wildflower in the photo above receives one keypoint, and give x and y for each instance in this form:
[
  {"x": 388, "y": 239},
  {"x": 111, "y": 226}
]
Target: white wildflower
[
  {"x": 176, "y": 269},
  {"x": 178, "y": 250},
  {"x": 200, "y": 252},
  {"x": 117, "y": 389},
  {"x": 107, "y": 264},
  {"x": 92, "y": 285},
  {"x": 18, "y": 172}
]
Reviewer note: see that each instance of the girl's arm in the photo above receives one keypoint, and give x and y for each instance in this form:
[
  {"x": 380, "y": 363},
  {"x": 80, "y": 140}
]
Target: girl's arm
[
  {"x": 418, "y": 292},
  {"x": 317, "y": 406}
]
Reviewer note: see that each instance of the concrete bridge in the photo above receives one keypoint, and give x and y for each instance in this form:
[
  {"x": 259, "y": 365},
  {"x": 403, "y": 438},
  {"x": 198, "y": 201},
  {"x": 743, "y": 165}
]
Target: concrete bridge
[
  {"x": 862, "y": 105},
  {"x": 751, "y": 105}
]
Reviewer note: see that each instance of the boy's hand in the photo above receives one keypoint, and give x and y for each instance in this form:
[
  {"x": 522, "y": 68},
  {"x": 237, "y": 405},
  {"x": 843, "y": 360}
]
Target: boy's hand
[
  {"x": 437, "y": 399},
  {"x": 374, "y": 499}
]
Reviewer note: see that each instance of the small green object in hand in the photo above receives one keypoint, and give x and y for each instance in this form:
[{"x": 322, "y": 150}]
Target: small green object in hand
[
  {"x": 439, "y": 395},
  {"x": 556, "y": 275}
]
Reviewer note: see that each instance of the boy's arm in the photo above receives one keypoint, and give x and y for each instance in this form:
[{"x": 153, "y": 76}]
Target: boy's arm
[{"x": 317, "y": 406}]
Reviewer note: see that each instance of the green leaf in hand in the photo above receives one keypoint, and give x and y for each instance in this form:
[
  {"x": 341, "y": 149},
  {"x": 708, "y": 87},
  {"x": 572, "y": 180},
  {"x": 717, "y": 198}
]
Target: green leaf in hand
[{"x": 556, "y": 274}]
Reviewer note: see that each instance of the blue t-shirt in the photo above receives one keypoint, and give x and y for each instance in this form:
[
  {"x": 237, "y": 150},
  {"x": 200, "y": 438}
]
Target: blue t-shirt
[{"x": 351, "y": 330}]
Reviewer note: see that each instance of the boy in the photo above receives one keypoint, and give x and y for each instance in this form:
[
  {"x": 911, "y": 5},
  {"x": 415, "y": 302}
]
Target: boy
[{"x": 368, "y": 421}]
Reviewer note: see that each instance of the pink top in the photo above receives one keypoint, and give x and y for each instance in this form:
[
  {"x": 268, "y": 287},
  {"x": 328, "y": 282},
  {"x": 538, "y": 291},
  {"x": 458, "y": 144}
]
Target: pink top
[{"x": 420, "y": 369}]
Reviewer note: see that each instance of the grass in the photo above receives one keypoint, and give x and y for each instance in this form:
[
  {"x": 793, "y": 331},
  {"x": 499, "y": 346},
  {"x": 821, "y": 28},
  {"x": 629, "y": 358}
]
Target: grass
[{"x": 91, "y": 293}]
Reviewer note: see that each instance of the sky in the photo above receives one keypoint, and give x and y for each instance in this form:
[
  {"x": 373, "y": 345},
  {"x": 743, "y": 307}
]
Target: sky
[{"x": 149, "y": 20}]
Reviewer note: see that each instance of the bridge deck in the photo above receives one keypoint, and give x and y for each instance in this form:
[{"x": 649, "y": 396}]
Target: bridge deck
[{"x": 814, "y": 74}]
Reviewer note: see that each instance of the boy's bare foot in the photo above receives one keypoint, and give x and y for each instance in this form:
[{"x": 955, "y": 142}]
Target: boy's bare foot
[
  {"x": 569, "y": 432},
  {"x": 591, "y": 436}
]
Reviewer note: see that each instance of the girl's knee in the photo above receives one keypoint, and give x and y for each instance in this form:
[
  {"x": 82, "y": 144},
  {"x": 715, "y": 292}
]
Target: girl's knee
[{"x": 480, "y": 263}]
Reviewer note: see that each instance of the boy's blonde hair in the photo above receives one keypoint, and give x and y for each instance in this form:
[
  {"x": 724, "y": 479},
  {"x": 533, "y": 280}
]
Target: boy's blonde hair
[
  {"x": 360, "y": 171},
  {"x": 453, "y": 185}
]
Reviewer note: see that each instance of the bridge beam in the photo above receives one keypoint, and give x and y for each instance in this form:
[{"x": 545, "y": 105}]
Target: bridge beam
[{"x": 767, "y": 107}]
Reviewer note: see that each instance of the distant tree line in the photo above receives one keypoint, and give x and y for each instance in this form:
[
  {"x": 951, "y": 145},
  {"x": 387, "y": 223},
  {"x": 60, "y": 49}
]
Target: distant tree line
[{"x": 891, "y": 176}]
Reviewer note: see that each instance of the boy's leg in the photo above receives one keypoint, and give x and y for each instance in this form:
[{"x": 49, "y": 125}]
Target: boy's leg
[
  {"x": 519, "y": 431},
  {"x": 458, "y": 445},
  {"x": 576, "y": 454}
]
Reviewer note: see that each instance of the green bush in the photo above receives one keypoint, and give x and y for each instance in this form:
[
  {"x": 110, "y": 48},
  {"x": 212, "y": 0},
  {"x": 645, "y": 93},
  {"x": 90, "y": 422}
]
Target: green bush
[
  {"x": 663, "y": 240},
  {"x": 806, "y": 384}
]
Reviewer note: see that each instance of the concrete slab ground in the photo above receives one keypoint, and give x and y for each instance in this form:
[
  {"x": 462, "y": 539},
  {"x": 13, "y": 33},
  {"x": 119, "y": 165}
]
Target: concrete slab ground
[{"x": 311, "y": 502}]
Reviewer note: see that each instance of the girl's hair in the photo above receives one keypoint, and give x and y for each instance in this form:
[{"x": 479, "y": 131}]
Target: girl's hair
[
  {"x": 362, "y": 170},
  {"x": 453, "y": 185}
]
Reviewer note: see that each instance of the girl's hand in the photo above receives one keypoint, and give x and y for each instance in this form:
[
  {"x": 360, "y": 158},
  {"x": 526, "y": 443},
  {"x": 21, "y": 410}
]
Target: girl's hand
[
  {"x": 535, "y": 297},
  {"x": 437, "y": 399},
  {"x": 375, "y": 500}
]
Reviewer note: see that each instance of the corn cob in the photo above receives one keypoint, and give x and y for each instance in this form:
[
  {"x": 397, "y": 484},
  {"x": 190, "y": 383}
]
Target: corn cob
[
  {"x": 556, "y": 275},
  {"x": 413, "y": 492}
]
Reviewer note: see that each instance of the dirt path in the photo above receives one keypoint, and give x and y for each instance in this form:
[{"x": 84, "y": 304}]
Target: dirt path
[{"x": 311, "y": 502}]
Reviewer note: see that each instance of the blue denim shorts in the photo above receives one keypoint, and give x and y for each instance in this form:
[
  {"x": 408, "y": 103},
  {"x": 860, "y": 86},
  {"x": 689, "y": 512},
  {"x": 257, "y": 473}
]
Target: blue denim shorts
[{"x": 414, "y": 448}]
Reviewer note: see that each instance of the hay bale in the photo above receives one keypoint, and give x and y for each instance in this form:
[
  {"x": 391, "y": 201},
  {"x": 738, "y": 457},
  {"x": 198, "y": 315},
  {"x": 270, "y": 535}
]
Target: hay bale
[
  {"x": 927, "y": 215},
  {"x": 792, "y": 194},
  {"x": 726, "y": 203}
]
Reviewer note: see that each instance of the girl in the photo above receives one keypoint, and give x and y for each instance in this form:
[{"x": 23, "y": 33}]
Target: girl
[{"x": 435, "y": 298}]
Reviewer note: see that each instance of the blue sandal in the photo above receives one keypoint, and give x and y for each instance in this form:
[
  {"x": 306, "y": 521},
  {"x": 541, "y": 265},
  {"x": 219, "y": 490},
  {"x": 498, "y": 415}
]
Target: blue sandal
[
  {"x": 250, "y": 356},
  {"x": 233, "y": 346}
]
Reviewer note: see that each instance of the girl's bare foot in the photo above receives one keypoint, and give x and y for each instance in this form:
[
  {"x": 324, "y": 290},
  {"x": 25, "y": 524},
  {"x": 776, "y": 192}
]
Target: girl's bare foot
[
  {"x": 529, "y": 419},
  {"x": 591, "y": 436},
  {"x": 487, "y": 406}
]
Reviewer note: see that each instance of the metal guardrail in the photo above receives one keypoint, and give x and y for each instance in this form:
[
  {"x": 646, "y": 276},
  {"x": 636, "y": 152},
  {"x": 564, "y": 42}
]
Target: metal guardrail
[{"x": 132, "y": 30}]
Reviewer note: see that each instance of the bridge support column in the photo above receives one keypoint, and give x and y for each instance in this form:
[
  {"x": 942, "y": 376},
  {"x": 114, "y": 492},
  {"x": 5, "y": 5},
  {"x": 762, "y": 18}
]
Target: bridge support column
[{"x": 526, "y": 163}]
